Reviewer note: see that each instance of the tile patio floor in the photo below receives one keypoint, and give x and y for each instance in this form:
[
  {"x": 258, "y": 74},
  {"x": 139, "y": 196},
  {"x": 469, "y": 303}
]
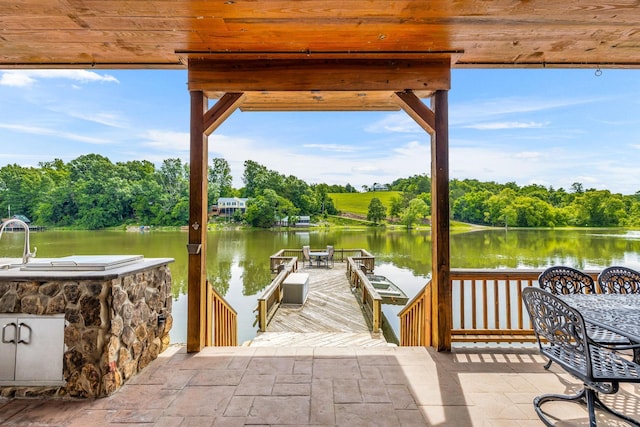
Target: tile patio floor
[{"x": 324, "y": 386}]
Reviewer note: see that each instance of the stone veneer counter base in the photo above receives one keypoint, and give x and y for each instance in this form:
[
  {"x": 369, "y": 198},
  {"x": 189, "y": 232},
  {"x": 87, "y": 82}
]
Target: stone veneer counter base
[{"x": 116, "y": 321}]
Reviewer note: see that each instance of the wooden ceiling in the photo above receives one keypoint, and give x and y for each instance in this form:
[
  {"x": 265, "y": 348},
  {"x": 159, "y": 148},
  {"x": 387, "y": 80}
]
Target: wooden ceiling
[{"x": 151, "y": 34}]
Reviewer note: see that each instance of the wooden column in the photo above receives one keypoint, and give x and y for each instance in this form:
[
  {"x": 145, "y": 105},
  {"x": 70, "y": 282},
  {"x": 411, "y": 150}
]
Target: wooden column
[
  {"x": 436, "y": 123},
  {"x": 203, "y": 122},
  {"x": 440, "y": 256},
  {"x": 197, "y": 246}
]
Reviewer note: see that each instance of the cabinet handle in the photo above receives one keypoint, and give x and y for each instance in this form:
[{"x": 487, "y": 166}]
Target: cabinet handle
[
  {"x": 20, "y": 340},
  {"x": 4, "y": 333}
]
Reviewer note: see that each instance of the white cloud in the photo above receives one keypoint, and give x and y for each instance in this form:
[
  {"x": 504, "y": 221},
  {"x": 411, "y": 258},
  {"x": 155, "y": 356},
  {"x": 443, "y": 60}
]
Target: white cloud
[
  {"x": 34, "y": 130},
  {"x": 168, "y": 141},
  {"x": 23, "y": 78},
  {"x": 505, "y": 125},
  {"x": 332, "y": 147},
  {"x": 396, "y": 123},
  {"x": 107, "y": 119}
]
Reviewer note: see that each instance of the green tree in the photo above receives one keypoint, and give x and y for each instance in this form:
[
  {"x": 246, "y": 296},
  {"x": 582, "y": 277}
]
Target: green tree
[
  {"x": 376, "y": 212},
  {"x": 416, "y": 210},
  {"x": 219, "y": 180}
]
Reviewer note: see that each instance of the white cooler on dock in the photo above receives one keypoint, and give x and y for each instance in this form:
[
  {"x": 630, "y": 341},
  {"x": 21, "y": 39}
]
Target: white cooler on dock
[{"x": 295, "y": 288}]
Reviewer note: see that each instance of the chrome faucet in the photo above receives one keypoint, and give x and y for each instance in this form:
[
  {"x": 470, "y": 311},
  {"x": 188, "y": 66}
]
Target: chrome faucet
[{"x": 26, "y": 254}]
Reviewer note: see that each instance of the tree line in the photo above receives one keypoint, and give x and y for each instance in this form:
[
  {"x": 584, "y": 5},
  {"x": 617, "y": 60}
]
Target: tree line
[
  {"x": 91, "y": 192},
  {"x": 511, "y": 205}
]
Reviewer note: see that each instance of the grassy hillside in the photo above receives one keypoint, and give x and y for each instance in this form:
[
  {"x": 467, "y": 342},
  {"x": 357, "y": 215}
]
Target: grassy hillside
[{"x": 358, "y": 203}]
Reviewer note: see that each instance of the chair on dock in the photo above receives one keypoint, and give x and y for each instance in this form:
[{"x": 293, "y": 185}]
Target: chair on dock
[
  {"x": 330, "y": 252},
  {"x": 306, "y": 257},
  {"x": 619, "y": 280}
]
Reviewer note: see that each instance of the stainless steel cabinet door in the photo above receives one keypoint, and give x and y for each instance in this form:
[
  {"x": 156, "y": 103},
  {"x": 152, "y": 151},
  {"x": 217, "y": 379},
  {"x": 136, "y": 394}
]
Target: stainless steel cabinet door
[
  {"x": 8, "y": 340},
  {"x": 40, "y": 348}
]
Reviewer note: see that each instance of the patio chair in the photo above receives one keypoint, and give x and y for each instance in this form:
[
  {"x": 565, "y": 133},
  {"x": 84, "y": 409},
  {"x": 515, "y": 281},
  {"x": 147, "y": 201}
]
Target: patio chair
[
  {"x": 306, "y": 257},
  {"x": 562, "y": 280},
  {"x": 566, "y": 280},
  {"x": 330, "y": 252},
  {"x": 560, "y": 332},
  {"x": 619, "y": 280}
]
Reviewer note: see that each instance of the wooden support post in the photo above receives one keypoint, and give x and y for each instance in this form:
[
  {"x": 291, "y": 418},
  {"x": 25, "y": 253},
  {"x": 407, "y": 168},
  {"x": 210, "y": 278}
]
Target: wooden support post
[
  {"x": 440, "y": 256},
  {"x": 197, "y": 247},
  {"x": 439, "y": 295}
]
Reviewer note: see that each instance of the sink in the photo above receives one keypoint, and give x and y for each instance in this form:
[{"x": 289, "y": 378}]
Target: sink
[{"x": 80, "y": 263}]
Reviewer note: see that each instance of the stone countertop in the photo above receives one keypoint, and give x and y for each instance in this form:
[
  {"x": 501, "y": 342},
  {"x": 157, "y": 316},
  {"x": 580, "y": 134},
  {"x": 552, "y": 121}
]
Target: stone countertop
[{"x": 16, "y": 274}]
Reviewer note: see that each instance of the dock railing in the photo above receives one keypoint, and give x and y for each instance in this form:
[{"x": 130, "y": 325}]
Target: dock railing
[
  {"x": 223, "y": 327},
  {"x": 339, "y": 255},
  {"x": 271, "y": 298},
  {"x": 486, "y": 307},
  {"x": 370, "y": 300}
]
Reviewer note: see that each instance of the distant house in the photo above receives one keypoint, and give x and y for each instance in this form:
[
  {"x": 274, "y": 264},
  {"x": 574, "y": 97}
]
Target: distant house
[
  {"x": 379, "y": 187},
  {"x": 227, "y": 206},
  {"x": 302, "y": 221}
]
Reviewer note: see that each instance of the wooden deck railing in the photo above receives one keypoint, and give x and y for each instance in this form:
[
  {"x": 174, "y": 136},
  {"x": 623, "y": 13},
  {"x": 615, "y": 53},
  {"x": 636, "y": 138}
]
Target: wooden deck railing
[
  {"x": 223, "y": 327},
  {"x": 270, "y": 299},
  {"x": 486, "y": 307},
  {"x": 369, "y": 298}
]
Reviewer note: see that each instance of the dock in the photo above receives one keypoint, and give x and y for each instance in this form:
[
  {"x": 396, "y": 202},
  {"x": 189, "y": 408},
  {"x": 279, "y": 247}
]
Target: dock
[{"x": 330, "y": 317}]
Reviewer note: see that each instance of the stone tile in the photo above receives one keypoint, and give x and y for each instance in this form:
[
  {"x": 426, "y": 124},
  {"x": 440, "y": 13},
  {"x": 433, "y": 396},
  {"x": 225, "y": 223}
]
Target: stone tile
[
  {"x": 371, "y": 372},
  {"x": 366, "y": 414},
  {"x": 291, "y": 390},
  {"x": 410, "y": 418},
  {"x": 303, "y": 367},
  {"x": 239, "y": 406},
  {"x": 270, "y": 365},
  {"x": 198, "y": 422},
  {"x": 255, "y": 385},
  {"x": 336, "y": 368},
  {"x": 137, "y": 396},
  {"x": 169, "y": 422},
  {"x": 444, "y": 393},
  {"x": 346, "y": 391},
  {"x": 92, "y": 417},
  {"x": 231, "y": 422},
  {"x": 137, "y": 416},
  {"x": 280, "y": 410},
  {"x": 401, "y": 397},
  {"x": 294, "y": 379},
  {"x": 322, "y": 408},
  {"x": 217, "y": 377},
  {"x": 25, "y": 412},
  {"x": 239, "y": 363},
  {"x": 201, "y": 401},
  {"x": 373, "y": 391},
  {"x": 201, "y": 361}
]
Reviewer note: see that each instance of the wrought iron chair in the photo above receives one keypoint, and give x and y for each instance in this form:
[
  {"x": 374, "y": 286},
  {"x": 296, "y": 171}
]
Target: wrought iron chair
[
  {"x": 619, "y": 280},
  {"x": 561, "y": 334},
  {"x": 306, "y": 257},
  {"x": 562, "y": 280},
  {"x": 566, "y": 280}
]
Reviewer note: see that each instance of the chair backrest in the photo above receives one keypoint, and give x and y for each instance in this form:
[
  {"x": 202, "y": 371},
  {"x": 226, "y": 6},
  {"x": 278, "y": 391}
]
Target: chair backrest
[
  {"x": 619, "y": 280},
  {"x": 561, "y": 280},
  {"x": 305, "y": 252},
  {"x": 330, "y": 252},
  {"x": 560, "y": 330}
]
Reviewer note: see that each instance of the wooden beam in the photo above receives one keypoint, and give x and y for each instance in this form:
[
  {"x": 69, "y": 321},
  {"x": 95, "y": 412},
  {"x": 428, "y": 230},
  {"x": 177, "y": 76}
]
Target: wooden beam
[
  {"x": 197, "y": 247},
  {"x": 440, "y": 256},
  {"x": 221, "y": 110},
  {"x": 419, "y": 112},
  {"x": 318, "y": 74}
]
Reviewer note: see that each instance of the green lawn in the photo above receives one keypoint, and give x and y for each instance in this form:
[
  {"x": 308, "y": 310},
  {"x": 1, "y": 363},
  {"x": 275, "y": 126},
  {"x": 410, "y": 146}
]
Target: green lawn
[{"x": 358, "y": 203}]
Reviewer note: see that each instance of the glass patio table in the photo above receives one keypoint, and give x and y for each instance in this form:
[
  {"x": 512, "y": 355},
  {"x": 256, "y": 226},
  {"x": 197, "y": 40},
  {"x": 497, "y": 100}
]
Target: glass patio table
[{"x": 318, "y": 256}]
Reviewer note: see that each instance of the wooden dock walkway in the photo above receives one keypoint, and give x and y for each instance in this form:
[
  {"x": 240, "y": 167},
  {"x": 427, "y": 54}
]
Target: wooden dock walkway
[{"x": 331, "y": 316}]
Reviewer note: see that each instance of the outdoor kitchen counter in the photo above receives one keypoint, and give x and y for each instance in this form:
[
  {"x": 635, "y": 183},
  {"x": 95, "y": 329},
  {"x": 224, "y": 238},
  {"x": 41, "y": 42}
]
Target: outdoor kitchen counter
[{"x": 110, "y": 314}]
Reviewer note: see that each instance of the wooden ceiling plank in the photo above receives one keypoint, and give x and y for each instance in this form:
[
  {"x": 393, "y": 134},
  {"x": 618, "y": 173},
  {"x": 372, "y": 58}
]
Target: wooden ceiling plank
[{"x": 293, "y": 75}]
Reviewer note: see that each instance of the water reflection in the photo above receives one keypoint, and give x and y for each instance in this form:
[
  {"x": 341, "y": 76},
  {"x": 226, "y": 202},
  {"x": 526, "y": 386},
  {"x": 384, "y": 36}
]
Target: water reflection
[{"x": 238, "y": 261}]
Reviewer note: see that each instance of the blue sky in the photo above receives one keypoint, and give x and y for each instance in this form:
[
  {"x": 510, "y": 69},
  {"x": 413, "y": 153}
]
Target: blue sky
[{"x": 546, "y": 126}]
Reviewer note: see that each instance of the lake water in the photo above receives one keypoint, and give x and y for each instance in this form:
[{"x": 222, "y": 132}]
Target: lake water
[{"x": 238, "y": 261}]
